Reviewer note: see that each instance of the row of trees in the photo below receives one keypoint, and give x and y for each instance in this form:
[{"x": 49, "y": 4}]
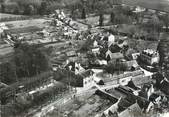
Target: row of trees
[
  {"x": 116, "y": 67},
  {"x": 25, "y": 9},
  {"x": 27, "y": 61},
  {"x": 99, "y": 7}
]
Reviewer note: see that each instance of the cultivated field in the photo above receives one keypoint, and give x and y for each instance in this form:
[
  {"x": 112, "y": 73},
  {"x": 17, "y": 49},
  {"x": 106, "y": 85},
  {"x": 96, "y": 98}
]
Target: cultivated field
[{"x": 162, "y": 5}]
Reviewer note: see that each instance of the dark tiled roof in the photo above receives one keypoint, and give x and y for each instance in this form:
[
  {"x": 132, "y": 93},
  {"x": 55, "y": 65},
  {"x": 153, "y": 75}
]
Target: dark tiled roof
[
  {"x": 86, "y": 73},
  {"x": 164, "y": 87},
  {"x": 132, "y": 85},
  {"x": 116, "y": 93},
  {"x": 114, "y": 48},
  {"x": 123, "y": 104},
  {"x": 132, "y": 110}
]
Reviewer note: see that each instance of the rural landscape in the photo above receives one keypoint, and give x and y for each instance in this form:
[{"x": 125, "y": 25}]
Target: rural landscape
[{"x": 84, "y": 58}]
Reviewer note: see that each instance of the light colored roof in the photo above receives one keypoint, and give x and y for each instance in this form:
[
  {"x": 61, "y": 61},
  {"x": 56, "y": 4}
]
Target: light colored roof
[{"x": 117, "y": 55}]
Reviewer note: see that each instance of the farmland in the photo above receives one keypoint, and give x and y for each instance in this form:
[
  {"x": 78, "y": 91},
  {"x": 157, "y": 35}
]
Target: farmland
[{"x": 162, "y": 5}]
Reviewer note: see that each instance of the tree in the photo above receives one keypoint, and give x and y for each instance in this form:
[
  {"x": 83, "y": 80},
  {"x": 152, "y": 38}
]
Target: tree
[
  {"x": 100, "y": 6},
  {"x": 101, "y": 19},
  {"x": 83, "y": 5},
  {"x": 2, "y": 8},
  {"x": 43, "y": 8},
  {"x": 163, "y": 49},
  {"x": 87, "y": 45},
  {"x": 28, "y": 10},
  {"x": 112, "y": 4},
  {"x": 16, "y": 10},
  {"x": 83, "y": 13},
  {"x": 29, "y": 60},
  {"x": 7, "y": 73},
  {"x": 112, "y": 16},
  {"x": 115, "y": 67},
  {"x": 165, "y": 20}
]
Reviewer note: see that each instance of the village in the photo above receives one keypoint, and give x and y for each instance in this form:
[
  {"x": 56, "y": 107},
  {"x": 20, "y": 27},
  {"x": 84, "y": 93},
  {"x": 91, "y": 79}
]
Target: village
[{"x": 85, "y": 67}]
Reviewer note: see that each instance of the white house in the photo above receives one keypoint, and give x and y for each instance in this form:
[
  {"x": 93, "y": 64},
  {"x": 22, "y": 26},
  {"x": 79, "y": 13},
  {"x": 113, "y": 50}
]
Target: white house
[{"x": 111, "y": 40}]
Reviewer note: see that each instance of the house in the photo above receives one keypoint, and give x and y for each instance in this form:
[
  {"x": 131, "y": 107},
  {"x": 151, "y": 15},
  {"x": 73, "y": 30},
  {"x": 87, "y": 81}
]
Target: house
[
  {"x": 96, "y": 51},
  {"x": 146, "y": 91},
  {"x": 95, "y": 43},
  {"x": 103, "y": 94},
  {"x": 155, "y": 98},
  {"x": 123, "y": 108},
  {"x": 111, "y": 109},
  {"x": 2, "y": 85},
  {"x": 71, "y": 53},
  {"x": 68, "y": 77},
  {"x": 101, "y": 62},
  {"x": 111, "y": 40},
  {"x": 74, "y": 67},
  {"x": 113, "y": 56},
  {"x": 164, "y": 86},
  {"x": 132, "y": 111},
  {"x": 150, "y": 56},
  {"x": 132, "y": 85},
  {"x": 135, "y": 56},
  {"x": 88, "y": 78},
  {"x": 139, "y": 9},
  {"x": 3, "y": 27},
  {"x": 148, "y": 107},
  {"x": 144, "y": 104}
]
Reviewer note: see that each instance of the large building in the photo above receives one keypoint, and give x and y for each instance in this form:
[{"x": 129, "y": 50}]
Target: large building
[{"x": 150, "y": 56}]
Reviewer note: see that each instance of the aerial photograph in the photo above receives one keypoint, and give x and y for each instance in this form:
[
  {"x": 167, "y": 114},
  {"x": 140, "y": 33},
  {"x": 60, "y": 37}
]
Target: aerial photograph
[{"x": 84, "y": 58}]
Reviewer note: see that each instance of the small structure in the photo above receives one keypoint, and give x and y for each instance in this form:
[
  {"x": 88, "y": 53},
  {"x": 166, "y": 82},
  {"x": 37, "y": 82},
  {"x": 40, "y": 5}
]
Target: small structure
[
  {"x": 150, "y": 56},
  {"x": 139, "y": 9},
  {"x": 71, "y": 53},
  {"x": 96, "y": 51},
  {"x": 74, "y": 67},
  {"x": 111, "y": 40},
  {"x": 3, "y": 27}
]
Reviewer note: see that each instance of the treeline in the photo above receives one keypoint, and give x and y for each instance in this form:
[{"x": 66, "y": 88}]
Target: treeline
[
  {"x": 27, "y": 61},
  {"x": 42, "y": 7},
  {"x": 25, "y": 8}
]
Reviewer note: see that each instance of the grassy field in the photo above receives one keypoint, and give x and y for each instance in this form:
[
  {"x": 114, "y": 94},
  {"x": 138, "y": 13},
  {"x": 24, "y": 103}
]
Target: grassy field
[
  {"x": 4, "y": 15},
  {"x": 26, "y": 23},
  {"x": 162, "y": 5}
]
